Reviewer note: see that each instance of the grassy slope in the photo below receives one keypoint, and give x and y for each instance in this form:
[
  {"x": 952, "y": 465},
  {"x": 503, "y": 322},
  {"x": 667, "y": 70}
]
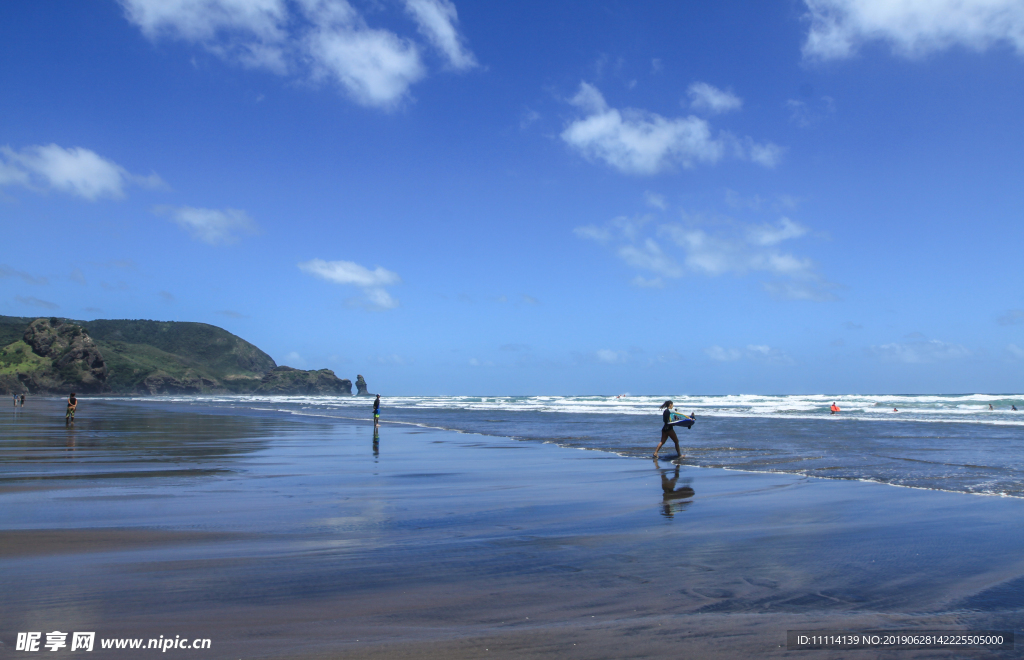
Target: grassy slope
[{"x": 135, "y": 349}]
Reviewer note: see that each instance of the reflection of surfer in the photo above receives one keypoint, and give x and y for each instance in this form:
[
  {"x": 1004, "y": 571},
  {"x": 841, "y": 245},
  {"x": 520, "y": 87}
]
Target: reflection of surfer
[
  {"x": 670, "y": 493},
  {"x": 376, "y": 442},
  {"x": 834, "y": 408},
  {"x": 669, "y": 419}
]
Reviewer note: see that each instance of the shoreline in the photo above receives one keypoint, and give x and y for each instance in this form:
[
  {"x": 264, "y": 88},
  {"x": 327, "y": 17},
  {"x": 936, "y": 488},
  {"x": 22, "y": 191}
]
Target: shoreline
[{"x": 440, "y": 544}]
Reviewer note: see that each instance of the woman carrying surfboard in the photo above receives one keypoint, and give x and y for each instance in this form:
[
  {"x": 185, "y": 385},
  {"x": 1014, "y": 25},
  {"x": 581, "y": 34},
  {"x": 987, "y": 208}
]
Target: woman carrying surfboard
[{"x": 670, "y": 418}]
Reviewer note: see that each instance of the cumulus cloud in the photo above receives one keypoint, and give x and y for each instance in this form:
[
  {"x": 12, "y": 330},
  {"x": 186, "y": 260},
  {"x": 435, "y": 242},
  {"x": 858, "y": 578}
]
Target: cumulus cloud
[
  {"x": 6, "y": 271},
  {"x": 76, "y": 171},
  {"x": 710, "y": 99},
  {"x": 920, "y": 351},
  {"x": 211, "y": 226},
  {"x": 321, "y": 39},
  {"x": 911, "y": 27},
  {"x": 371, "y": 282},
  {"x": 638, "y": 142},
  {"x": 436, "y": 20},
  {"x": 735, "y": 249}
]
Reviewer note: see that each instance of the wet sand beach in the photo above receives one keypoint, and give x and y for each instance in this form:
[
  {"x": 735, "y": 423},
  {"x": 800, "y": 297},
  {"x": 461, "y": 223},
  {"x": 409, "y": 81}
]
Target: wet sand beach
[{"x": 278, "y": 536}]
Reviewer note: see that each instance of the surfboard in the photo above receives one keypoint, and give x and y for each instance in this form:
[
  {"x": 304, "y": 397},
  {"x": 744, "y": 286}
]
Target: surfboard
[{"x": 682, "y": 422}]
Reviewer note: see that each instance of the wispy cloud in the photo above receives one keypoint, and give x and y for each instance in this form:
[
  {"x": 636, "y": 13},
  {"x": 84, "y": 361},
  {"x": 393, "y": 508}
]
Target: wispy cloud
[
  {"x": 709, "y": 98},
  {"x": 639, "y": 142},
  {"x": 729, "y": 248},
  {"x": 1011, "y": 317},
  {"x": 609, "y": 356},
  {"x": 316, "y": 39},
  {"x": 754, "y": 352},
  {"x": 655, "y": 200},
  {"x": 371, "y": 282},
  {"x": 913, "y": 28},
  {"x": 211, "y": 226},
  {"x": 6, "y": 272},
  {"x": 920, "y": 351},
  {"x": 76, "y": 171},
  {"x": 32, "y": 301},
  {"x": 166, "y": 296},
  {"x": 232, "y": 314},
  {"x": 437, "y": 21},
  {"x": 1015, "y": 351}
]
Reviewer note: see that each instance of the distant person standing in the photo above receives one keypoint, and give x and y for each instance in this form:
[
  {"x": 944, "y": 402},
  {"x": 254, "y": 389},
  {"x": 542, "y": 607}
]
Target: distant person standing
[
  {"x": 834, "y": 409},
  {"x": 15, "y": 400},
  {"x": 376, "y": 412},
  {"x": 69, "y": 416}
]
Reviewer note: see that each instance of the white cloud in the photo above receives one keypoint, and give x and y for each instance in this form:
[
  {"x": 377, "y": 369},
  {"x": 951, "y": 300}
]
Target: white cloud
[
  {"x": 722, "y": 354},
  {"x": 639, "y": 142},
  {"x": 1015, "y": 350},
  {"x": 295, "y": 359},
  {"x": 920, "y": 351},
  {"x": 756, "y": 352},
  {"x": 609, "y": 356},
  {"x": 325, "y": 39},
  {"x": 436, "y": 20},
  {"x": 655, "y": 200},
  {"x": 711, "y": 99},
  {"x": 911, "y": 27},
  {"x": 473, "y": 362},
  {"x": 76, "y": 171},
  {"x": 376, "y": 67},
  {"x": 211, "y": 226},
  {"x": 649, "y": 255},
  {"x": 773, "y": 235},
  {"x": 372, "y": 282},
  {"x": 731, "y": 249}
]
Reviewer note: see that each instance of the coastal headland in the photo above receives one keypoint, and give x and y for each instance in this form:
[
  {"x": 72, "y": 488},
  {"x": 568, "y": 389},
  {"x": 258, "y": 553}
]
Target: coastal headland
[
  {"x": 282, "y": 536},
  {"x": 56, "y": 355}
]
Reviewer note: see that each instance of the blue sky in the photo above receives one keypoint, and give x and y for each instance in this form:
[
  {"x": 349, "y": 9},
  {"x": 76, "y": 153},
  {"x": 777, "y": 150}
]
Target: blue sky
[{"x": 532, "y": 198}]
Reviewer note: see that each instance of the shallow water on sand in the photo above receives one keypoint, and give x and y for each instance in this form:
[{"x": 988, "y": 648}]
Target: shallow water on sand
[
  {"x": 951, "y": 443},
  {"x": 271, "y": 533}
]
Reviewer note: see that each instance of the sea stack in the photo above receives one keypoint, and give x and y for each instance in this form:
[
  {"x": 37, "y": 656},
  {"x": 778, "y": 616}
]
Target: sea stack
[{"x": 361, "y": 387}]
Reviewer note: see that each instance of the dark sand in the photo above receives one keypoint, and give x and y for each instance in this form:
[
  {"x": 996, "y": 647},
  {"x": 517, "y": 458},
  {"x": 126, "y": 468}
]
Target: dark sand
[{"x": 289, "y": 538}]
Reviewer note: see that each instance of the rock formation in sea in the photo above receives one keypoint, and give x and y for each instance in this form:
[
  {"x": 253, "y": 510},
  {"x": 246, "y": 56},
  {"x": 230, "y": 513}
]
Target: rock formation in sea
[{"x": 361, "y": 387}]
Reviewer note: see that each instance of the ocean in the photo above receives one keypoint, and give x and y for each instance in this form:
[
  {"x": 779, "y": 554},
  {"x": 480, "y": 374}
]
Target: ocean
[{"x": 951, "y": 443}]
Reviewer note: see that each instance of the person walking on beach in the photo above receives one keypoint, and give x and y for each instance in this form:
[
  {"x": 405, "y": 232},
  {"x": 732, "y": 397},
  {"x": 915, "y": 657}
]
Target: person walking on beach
[
  {"x": 376, "y": 412},
  {"x": 69, "y": 416},
  {"x": 667, "y": 416}
]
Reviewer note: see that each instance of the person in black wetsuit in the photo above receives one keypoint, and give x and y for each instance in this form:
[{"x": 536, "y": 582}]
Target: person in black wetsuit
[
  {"x": 376, "y": 412},
  {"x": 666, "y": 430}
]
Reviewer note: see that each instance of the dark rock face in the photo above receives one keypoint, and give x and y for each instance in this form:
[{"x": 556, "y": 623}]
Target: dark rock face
[
  {"x": 287, "y": 380},
  {"x": 76, "y": 361},
  {"x": 160, "y": 382},
  {"x": 361, "y": 387}
]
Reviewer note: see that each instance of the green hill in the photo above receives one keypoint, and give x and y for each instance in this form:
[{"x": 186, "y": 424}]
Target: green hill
[{"x": 142, "y": 357}]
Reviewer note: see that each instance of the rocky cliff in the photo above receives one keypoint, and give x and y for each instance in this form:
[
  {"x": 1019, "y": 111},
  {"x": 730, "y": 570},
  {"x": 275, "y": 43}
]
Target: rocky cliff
[
  {"x": 361, "y": 387},
  {"x": 286, "y": 380},
  {"x": 145, "y": 357}
]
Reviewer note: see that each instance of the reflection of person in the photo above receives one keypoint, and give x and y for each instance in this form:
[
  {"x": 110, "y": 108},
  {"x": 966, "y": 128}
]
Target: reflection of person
[
  {"x": 22, "y": 400},
  {"x": 376, "y": 442},
  {"x": 69, "y": 416},
  {"x": 671, "y": 494},
  {"x": 376, "y": 411},
  {"x": 667, "y": 431}
]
